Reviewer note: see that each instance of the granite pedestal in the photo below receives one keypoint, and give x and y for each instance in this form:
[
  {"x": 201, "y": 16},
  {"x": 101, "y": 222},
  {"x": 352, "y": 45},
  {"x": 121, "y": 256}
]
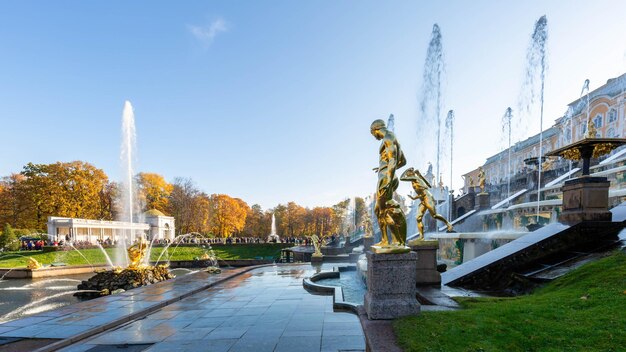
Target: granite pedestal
[
  {"x": 427, "y": 273},
  {"x": 585, "y": 199},
  {"x": 391, "y": 280},
  {"x": 482, "y": 201},
  {"x": 368, "y": 241}
]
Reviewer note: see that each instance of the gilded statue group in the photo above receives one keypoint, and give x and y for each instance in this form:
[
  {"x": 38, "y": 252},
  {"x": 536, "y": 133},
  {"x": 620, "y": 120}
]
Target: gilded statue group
[{"x": 388, "y": 211}]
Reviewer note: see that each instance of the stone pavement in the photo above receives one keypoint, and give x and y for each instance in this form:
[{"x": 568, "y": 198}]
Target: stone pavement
[{"x": 265, "y": 309}]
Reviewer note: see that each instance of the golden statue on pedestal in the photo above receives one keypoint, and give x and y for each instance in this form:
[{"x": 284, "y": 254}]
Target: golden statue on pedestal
[
  {"x": 592, "y": 131},
  {"x": 136, "y": 252},
  {"x": 388, "y": 212},
  {"x": 427, "y": 201},
  {"x": 481, "y": 179}
]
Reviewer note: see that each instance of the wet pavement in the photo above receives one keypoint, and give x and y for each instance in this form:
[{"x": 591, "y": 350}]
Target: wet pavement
[{"x": 265, "y": 309}]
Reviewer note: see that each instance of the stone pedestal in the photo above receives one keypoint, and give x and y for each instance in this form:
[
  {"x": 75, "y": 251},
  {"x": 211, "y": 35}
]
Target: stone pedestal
[
  {"x": 316, "y": 258},
  {"x": 368, "y": 241},
  {"x": 427, "y": 273},
  {"x": 391, "y": 285},
  {"x": 585, "y": 199},
  {"x": 482, "y": 201}
]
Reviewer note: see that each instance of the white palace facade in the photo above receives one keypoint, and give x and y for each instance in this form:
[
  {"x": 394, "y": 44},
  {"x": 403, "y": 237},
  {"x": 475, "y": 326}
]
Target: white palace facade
[{"x": 157, "y": 226}]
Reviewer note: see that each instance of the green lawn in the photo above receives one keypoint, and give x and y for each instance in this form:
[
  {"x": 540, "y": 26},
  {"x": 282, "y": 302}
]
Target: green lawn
[
  {"x": 95, "y": 256},
  {"x": 582, "y": 311}
]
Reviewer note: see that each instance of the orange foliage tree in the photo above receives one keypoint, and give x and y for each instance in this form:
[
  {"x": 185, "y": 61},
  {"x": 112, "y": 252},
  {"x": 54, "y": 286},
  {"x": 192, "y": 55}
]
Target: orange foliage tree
[{"x": 226, "y": 215}]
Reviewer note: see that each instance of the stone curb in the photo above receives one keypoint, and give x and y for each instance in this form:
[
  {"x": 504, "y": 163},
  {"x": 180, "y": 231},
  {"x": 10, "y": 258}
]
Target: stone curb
[
  {"x": 339, "y": 304},
  {"x": 86, "y": 334}
]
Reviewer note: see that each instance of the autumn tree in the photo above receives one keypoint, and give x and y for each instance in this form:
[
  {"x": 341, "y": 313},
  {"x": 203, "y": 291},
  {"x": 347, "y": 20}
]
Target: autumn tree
[
  {"x": 256, "y": 223},
  {"x": 226, "y": 215},
  {"x": 15, "y": 208},
  {"x": 154, "y": 191},
  {"x": 73, "y": 189},
  {"x": 360, "y": 210},
  {"x": 200, "y": 213},
  {"x": 322, "y": 221},
  {"x": 339, "y": 216}
]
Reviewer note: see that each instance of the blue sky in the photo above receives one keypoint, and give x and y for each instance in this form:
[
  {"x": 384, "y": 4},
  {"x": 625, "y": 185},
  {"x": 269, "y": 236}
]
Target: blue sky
[{"x": 271, "y": 101}]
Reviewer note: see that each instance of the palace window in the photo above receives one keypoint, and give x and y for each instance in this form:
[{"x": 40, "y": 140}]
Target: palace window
[
  {"x": 598, "y": 121},
  {"x": 612, "y": 115},
  {"x": 611, "y": 133}
]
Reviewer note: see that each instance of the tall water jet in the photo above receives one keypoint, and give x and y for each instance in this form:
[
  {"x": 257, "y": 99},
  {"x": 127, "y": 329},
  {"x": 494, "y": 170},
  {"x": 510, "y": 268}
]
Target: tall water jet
[
  {"x": 450, "y": 133},
  {"x": 350, "y": 217},
  {"x": 273, "y": 236},
  {"x": 585, "y": 91},
  {"x": 127, "y": 157},
  {"x": 429, "y": 122},
  {"x": 506, "y": 127},
  {"x": 534, "y": 83}
]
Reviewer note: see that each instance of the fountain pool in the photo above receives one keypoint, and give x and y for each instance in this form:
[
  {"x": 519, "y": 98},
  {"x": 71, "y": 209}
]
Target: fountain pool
[
  {"x": 42, "y": 294},
  {"x": 353, "y": 286}
]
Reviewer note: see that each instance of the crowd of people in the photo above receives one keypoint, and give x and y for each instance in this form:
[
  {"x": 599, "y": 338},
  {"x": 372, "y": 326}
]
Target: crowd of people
[
  {"x": 38, "y": 244},
  {"x": 33, "y": 245}
]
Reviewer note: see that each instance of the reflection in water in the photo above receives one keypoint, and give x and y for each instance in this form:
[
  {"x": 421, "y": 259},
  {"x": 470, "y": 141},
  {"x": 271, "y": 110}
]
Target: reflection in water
[{"x": 18, "y": 295}]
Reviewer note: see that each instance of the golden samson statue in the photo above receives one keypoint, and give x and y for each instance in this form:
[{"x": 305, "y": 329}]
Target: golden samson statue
[
  {"x": 388, "y": 212},
  {"x": 136, "y": 253},
  {"x": 427, "y": 201}
]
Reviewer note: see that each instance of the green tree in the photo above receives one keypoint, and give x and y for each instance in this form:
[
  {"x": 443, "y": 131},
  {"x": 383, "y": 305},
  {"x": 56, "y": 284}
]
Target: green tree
[{"x": 8, "y": 239}]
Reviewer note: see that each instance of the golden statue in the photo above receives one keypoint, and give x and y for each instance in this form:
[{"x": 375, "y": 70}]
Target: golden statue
[
  {"x": 388, "y": 212},
  {"x": 427, "y": 201},
  {"x": 591, "y": 129},
  {"x": 33, "y": 264},
  {"x": 317, "y": 244},
  {"x": 367, "y": 224},
  {"x": 548, "y": 164},
  {"x": 481, "y": 179},
  {"x": 136, "y": 252}
]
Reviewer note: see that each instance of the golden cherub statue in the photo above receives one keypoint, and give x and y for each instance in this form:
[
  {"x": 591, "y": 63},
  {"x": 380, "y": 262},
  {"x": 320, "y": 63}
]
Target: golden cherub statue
[
  {"x": 136, "y": 252},
  {"x": 33, "y": 264},
  {"x": 388, "y": 212},
  {"x": 481, "y": 179},
  {"x": 427, "y": 201}
]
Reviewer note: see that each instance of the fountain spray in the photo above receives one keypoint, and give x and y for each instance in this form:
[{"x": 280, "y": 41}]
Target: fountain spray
[
  {"x": 127, "y": 156},
  {"x": 536, "y": 70},
  {"x": 585, "y": 91},
  {"x": 431, "y": 95},
  {"x": 450, "y": 128},
  {"x": 506, "y": 125}
]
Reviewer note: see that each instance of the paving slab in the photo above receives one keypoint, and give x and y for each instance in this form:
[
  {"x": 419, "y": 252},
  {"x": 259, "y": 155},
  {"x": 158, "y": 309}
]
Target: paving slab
[{"x": 266, "y": 309}]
